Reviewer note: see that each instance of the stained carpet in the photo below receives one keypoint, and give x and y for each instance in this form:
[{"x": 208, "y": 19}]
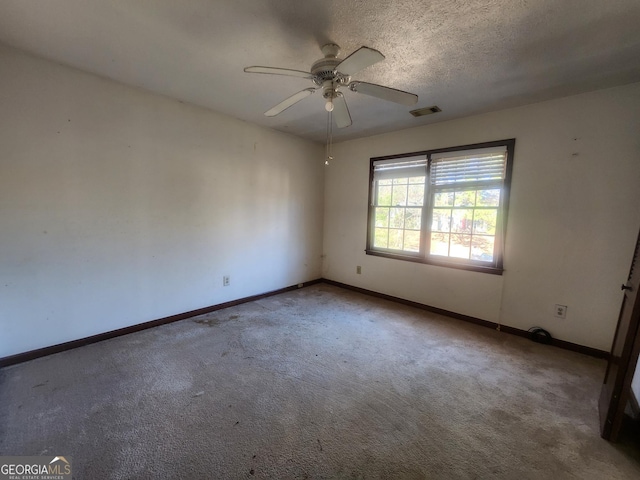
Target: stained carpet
[{"x": 317, "y": 383}]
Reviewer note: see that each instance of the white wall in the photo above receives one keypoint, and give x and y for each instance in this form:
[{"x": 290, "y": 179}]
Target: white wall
[
  {"x": 572, "y": 225},
  {"x": 118, "y": 206}
]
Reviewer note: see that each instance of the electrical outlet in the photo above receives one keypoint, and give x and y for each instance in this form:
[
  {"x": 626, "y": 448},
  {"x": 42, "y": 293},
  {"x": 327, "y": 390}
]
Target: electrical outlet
[
  {"x": 560, "y": 311},
  {"x": 225, "y": 281},
  {"x": 358, "y": 269}
]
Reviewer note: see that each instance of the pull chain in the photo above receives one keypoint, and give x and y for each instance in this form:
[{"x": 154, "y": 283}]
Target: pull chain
[{"x": 329, "y": 138}]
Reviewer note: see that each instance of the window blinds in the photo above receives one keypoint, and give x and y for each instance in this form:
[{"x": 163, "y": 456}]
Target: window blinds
[
  {"x": 400, "y": 168},
  {"x": 466, "y": 166}
]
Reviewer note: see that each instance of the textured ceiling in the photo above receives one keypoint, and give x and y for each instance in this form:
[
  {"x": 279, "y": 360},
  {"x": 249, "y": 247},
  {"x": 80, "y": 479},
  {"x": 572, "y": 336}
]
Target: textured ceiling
[{"x": 464, "y": 56}]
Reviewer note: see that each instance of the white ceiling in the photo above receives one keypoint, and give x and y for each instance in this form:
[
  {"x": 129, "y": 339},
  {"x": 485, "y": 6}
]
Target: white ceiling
[{"x": 465, "y": 56}]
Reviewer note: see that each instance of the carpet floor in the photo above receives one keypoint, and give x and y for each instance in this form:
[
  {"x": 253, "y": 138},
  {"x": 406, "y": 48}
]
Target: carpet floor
[{"x": 317, "y": 383}]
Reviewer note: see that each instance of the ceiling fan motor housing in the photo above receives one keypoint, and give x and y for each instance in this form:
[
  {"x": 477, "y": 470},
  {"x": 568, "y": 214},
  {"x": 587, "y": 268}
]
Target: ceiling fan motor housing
[{"x": 325, "y": 69}]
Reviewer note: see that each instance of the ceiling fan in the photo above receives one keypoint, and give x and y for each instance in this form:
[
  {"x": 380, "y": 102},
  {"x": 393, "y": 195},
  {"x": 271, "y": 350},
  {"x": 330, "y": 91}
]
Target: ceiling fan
[{"x": 329, "y": 74}]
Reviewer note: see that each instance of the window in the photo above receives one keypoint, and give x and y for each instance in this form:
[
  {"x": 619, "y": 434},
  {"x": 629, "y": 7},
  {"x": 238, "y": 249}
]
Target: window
[{"x": 446, "y": 206}]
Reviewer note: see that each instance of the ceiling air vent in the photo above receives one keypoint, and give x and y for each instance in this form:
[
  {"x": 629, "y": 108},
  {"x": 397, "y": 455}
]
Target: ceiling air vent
[{"x": 420, "y": 112}]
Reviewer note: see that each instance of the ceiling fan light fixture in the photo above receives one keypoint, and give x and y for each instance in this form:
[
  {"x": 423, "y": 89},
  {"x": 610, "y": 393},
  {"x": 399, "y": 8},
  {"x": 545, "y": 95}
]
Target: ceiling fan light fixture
[{"x": 329, "y": 105}]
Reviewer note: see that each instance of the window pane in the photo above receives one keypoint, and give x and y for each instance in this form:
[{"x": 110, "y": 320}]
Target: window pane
[
  {"x": 489, "y": 198},
  {"x": 462, "y": 220},
  {"x": 465, "y": 198},
  {"x": 443, "y": 199},
  {"x": 439, "y": 244},
  {"x": 441, "y": 220},
  {"x": 416, "y": 195},
  {"x": 482, "y": 247},
  {"x": 460, "y": 246},
  {"x": 396, "y": 219},
  {"x": 484, "y": 221},
  {"x": 399, "y": 197},
  {"x": 384, "y": 195},
  {"x": 395, "y": 239},
  {"x": 412, "y": 241},
  {"x": 450, "y": 213},
  {"x": 381, "y": 238},
  {"x": 412, "y": 218},
  {"x": 382, "y": 217}
]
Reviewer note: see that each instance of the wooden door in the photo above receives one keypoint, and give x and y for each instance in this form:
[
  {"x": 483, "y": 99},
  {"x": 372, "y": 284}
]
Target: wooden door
[{"x": 624, "y": 355}]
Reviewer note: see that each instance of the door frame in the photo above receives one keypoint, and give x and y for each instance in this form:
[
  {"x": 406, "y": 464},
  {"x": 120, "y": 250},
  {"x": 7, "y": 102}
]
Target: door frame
[{"x": 616, "y": 387}]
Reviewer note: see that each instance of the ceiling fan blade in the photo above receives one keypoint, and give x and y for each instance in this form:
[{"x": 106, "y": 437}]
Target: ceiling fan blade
[
  {"x": 359, "y": 60},
  {"x": 385, "y": 93},
  {"x": 341, "y": 112},
  {"x": 279, "y": 71},
  {"x": 292, "y": 100}
]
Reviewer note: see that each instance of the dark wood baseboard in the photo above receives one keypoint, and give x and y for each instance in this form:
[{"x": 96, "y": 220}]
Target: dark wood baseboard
[
  {"x": 593, "y": 352},
  {"x": 41, "y": 352}
]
